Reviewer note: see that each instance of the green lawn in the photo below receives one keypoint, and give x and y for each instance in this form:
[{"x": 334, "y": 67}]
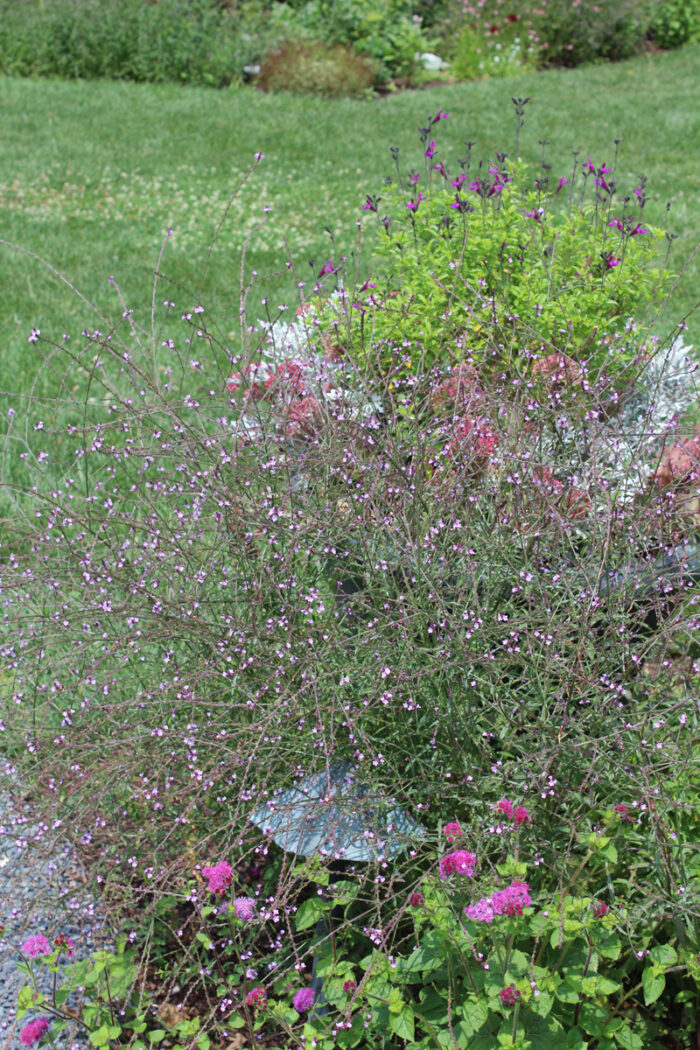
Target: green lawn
[{"x": 92, "y": 174}]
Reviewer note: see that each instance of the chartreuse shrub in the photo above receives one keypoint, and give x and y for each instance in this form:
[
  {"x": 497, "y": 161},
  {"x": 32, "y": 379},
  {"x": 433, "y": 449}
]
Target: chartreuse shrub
[
  {"x": 505, "y": 261},
  {"x": 446, "y": 562}
]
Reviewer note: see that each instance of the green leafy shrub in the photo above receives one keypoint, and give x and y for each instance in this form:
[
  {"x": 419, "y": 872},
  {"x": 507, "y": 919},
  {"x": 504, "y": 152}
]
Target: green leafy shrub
[
  {"x": 492, "y": 257},
  {"x": 196, "y": 42},
  {"x": 309, "y": 67},
  {"x": 675, "y": 22},
  {"x": 500, "y": 49},
  {"x": 607, "y": 29}
]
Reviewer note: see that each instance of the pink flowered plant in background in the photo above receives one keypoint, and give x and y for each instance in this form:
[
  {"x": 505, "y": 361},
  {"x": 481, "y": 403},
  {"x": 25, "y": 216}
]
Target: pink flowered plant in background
[
  {"x": 304, "y": 1000},
  {"x": 34, "y": 1031},
  {"x": 218, "y": 876},
  {"x": 244, "y": 908},
  {"x": 36, "y": 945},
  {"x": 452, "y": 831},
  {"x": 509, "y": 901},
  {"x": 461, "y": 862},
  {"x": 257, "y": 997}
]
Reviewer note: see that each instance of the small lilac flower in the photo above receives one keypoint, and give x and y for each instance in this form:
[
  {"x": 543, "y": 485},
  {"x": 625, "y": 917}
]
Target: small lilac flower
[
  {"x": 34, "y": 1031},
  {"x": 34, "y": 335},
  {"x": 244, "y": 908},
  {"x": 218, "y": 876},
  {"x": 304, "y": 1000},
  {"x": 461, "y": 862},
  {"x": 36, "y": 945}
]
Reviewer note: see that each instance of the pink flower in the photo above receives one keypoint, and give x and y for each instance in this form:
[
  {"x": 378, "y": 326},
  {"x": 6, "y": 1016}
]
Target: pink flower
[
  {"x": 623, "y": 813},
  {"x": 65, "y": 944},
  {"x": 452, "y": 831},
  {"x": 521, "y": 815},
  {"x": 505, "y": 806},
  {"x": 510, "y": 995},
  {"x": 512, "y": 899},
  {"x": 416, "y": 900},
  {"x": 349, "y": 987},
  {"x": 461, "y": 861},
  {"x": 33, "y": 1032},
  {"x": 599, "y": 909},
  {"x": 257, "y": 996},
  {"x": 441, "y": 115},
  {"x": 218, "y": 876},
  {"x": 304, "y": 1000},
  {"x": 562, "y": 182},
  {"x": 244, "y": 908},
  {"x": 482, "y": 911},
  {"x": 36, "y": 945}
]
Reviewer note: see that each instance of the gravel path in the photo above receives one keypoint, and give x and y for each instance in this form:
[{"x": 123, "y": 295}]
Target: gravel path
[{"x": 42, "y": 890}]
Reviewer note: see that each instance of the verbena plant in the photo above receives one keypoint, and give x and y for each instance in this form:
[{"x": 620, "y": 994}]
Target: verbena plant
[{"x": 457, "y": 577}]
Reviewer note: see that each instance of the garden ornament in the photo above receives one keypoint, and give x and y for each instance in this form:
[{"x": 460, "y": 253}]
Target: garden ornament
[{"x": 331, "y": 814}]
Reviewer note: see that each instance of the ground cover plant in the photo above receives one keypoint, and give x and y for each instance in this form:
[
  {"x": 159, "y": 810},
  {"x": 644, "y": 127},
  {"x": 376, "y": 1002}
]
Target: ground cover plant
[{"x": 440, "y": 570}]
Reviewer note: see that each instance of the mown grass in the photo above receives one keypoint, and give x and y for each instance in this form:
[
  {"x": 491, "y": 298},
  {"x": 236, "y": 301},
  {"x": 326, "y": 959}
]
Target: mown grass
[{"x": 93, "y": 174}]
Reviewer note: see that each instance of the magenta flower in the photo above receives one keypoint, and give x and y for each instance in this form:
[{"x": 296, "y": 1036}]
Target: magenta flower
[
  {"x": 218, "y": 876},
  {"x": 460, "y": 180},
  {"x": 326, "y": 268},
  {"x": 304, "y": 1000},
  {"x": 430, "y": 152},
  {"x": 482, "y": 911},
  {"x": 509, "y": 996},
  {"x": 505, "y": 806},
  {"x": 512, "y": 899},
  {"x": 64, "y": 944},
  {"x": 460, "y": 862},
  {"x": 638, "y": 229},
  {"x": 34, "y": 1031},
  {"x": 349, "y": 987},
  {"x": 623, "y": 812},
  {"x": 257, "y": 996},
  {"x": 441, "y": 115},
  {"x": 244, "y": 908},
  {"x": 413, "y": 204},
  {"x": 599, "y": 909},
  {"x": 36, "y": 945},
  {"x": 521, "y": 815},
  {"x": 588, "y": 166},
  {"x": 616, "y": 223},
  {"x": 612, "y": 261},
  {"x": 562, "y": 182},
  {"x": 452, "y": 831},
  {"x": 416, "y": 900}
]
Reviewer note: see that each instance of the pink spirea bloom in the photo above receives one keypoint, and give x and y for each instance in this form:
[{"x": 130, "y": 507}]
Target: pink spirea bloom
[
  {"x": 244, "y": 908},
  {"x": 416, "y": 900},
  {"x": 512, "y": 899},
  {"x": 349, "y": 987},
  {"x": 33, "y": 1032},
  {"x": 521, "y": 815},
  {"x": 599, "y": 909},
  {"x": 482, "y": 911},
  {"x": 623, "y": 812},
  {"x": 304, "y": 1000},
  {"x": 505, "y": 806},
  {"x": 257, "y": 996},
  {"x": 461, "y": 862},
  {"x": 452, "y": 831},
  {"x": 36, "y": 945},
  {"x": 218, "y": 876}
]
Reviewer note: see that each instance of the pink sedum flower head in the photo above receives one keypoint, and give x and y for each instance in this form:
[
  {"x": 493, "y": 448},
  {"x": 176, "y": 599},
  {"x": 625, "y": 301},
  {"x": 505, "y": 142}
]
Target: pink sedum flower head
[
  {"x": 599, "y": 909},
  {"x": 349, "y": 987},
  {"x": 304, "y": 1000},
  {"x": 36, "y": 945},
  {"x": 65, "y": 944},
  {"x": 218, "y": 876},
  {"x": 34, "y": 1031},
  {"x": 461, "y": 862},
  {"x": 244, "y": 908},
  {"x": 452, "y": 831},
  {"x": 521, "y": 815},
  {"x": 505, "y": 806},
  {"x": 416, "y": 900}
]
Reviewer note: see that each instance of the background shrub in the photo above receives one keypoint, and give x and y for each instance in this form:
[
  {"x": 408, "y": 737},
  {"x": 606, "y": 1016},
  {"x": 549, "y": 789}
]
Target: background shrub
[
  {"x": 310, "y": 67},
  {"x": 675, "y": 22}
]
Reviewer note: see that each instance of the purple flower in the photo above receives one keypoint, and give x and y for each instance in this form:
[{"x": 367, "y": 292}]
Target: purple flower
[
  {"x": 36, "y": 945},
  {"x": 512, "y": 899},
  {"x": 304, "y": 1000},
  {"x": 33, "y": 1032},
  {"x": 461, "y": 862},
  {"x": 588, "y": 166},
  {"x": 562, "y": 182},
  {"x": 458, "y": 182},
  {"x": 244, "y": 908},
  {"x": 638, "y": 229},
  {"x": 430, "y": 152},
  {"x": 616, "y": 223},
  {"x": 413, "y": 204},
  {"x": 509, "y": 996},
  {"x": 441, "y": 115},
  {"x": 327, "y": 268}
]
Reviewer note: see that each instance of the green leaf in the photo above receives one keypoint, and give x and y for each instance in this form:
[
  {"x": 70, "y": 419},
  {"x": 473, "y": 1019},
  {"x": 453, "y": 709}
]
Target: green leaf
[
  {"x": 475, "y": 1013},
  {"x": 310, "y": 912},
  {"x": 574, "y": 1040},
  {"x": 628, "y": 1039},
  {"x": 664, "y": 954},
  {"x": 653, "y": 983},
  {"x": 608, "y": 945},
  {"x": 157, "y": 1035},
  {"x": 592, "y": 1018},
  {"x": 402, "y": 1024}
]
